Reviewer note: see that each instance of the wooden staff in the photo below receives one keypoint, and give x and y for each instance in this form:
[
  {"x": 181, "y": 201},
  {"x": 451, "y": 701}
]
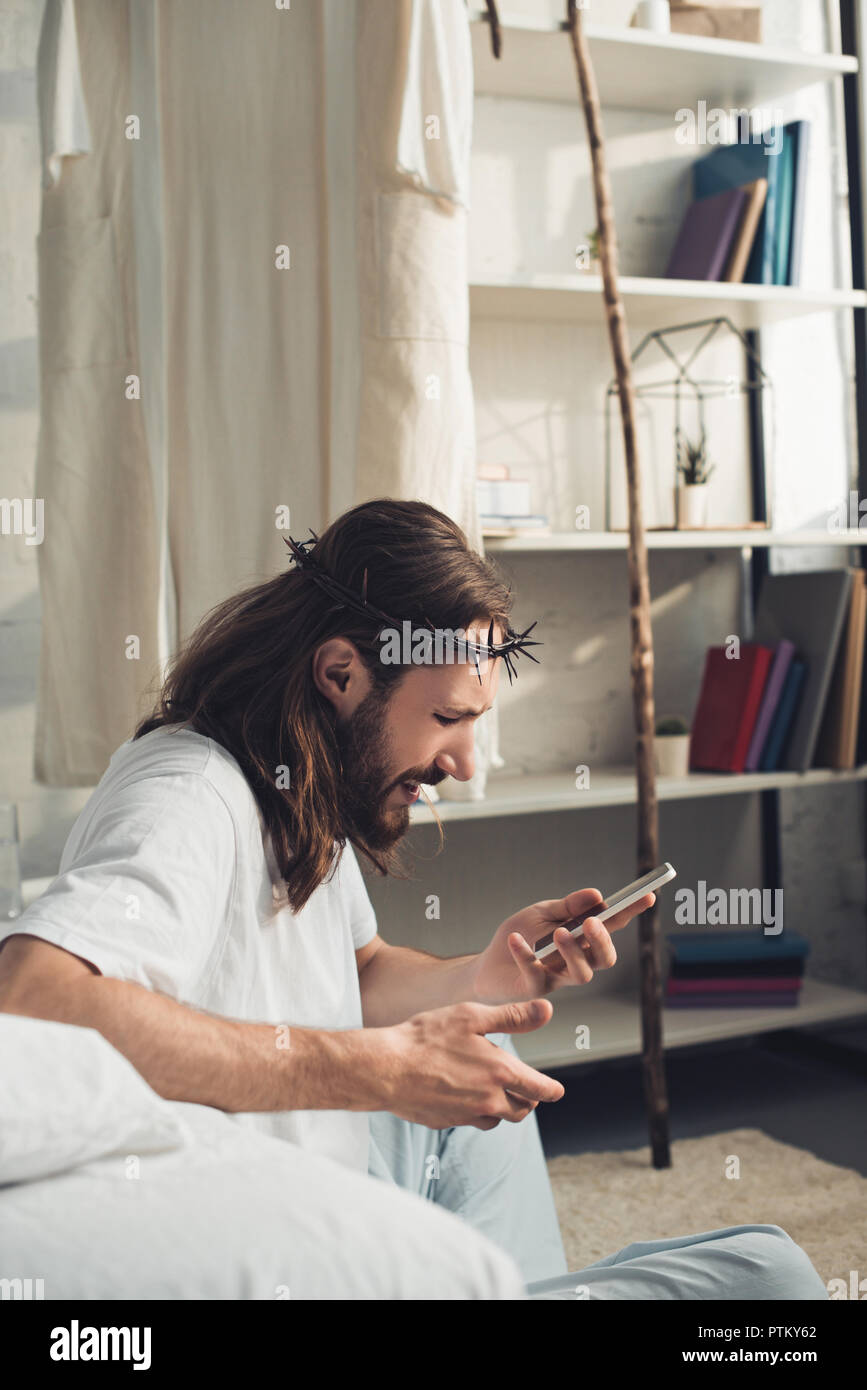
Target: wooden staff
[{"x": 641, "y": 637}]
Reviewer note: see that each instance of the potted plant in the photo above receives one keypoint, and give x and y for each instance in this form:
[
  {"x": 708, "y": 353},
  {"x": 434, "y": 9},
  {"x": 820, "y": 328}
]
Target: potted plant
[
  {"x": 671, "y": 746},
  {"x": 587, "y": 257},
  {"x": 694, "y": 470}
]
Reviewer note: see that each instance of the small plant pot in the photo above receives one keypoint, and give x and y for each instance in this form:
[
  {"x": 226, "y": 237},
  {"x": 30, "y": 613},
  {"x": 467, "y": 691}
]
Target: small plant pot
[
  {"x": 691, "y": 505},
  {"x": 671, "y": 754}
]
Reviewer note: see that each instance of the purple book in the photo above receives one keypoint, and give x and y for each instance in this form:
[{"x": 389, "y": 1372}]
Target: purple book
[
  {"x": 777, "y": 1000},
  {"x": 706, "y": 236},
  {"x": 771, "y": 698}
]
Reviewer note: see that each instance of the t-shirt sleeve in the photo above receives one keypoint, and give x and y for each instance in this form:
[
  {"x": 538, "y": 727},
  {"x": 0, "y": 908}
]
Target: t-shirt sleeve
[
  {"x": 146, "y": 893},
  {"x": 362, "y": 917}
]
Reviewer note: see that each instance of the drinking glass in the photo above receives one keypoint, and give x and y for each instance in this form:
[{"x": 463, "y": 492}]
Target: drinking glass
[{"x": 11, "y": 902}]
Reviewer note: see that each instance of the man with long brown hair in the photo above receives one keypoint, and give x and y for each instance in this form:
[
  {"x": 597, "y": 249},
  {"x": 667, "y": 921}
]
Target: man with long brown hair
[{"x": 211, "y": 921}]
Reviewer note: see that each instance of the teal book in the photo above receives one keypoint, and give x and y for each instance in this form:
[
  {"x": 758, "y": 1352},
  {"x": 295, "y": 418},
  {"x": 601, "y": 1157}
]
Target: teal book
[
  {"x": 783, "y": 718},
  {"x": 732, "y": 166},
  {"x": 784, "y": 206},
  {"x": 724, "y": 944}
]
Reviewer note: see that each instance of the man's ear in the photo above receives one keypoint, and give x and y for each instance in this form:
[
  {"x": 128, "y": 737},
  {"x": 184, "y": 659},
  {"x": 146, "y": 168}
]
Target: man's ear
[{"x": 340, "y": 674}]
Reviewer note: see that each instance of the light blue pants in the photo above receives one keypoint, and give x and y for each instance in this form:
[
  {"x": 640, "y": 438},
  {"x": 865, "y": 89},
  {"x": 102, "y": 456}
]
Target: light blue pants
[{"x": 498, "y": 1182}]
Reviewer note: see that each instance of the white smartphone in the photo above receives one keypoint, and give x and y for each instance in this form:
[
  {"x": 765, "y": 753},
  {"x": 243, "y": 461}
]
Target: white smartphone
[{"x": 611, "y": 906}]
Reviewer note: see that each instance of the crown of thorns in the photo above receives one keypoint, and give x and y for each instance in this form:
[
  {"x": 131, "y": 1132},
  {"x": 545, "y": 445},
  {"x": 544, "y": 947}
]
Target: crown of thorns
[{"x": 515, "y": 644}]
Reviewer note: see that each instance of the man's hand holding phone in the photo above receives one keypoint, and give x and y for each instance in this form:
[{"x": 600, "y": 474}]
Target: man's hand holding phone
[
  {"x": 440, "y": 1069},
  {"x": 509, "y": 969}
]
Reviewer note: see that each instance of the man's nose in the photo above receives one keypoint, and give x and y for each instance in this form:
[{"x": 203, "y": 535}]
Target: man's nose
[{"x": 458, "y": 758}]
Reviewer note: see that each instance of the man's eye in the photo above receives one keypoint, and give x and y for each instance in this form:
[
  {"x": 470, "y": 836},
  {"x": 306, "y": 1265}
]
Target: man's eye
[{"x": 443, "y": 720}]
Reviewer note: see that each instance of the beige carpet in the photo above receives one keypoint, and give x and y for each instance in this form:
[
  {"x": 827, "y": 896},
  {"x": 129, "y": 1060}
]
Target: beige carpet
[{"x": 607, "y": 1200}]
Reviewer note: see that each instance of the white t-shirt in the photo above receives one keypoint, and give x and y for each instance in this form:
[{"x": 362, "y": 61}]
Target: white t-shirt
[{"x": 165, "y": 880}]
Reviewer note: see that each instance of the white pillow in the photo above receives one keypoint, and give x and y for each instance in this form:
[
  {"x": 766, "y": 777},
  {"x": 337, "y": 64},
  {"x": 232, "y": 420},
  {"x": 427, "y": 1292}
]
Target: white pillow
[{"x": 67, "y": 1096}]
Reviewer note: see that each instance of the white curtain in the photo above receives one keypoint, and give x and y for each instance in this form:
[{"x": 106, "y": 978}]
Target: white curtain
[
  {"x": 416, "y": 428},
  {"x": 98, "y": 561},
  {"x": 247, "y": 318}
]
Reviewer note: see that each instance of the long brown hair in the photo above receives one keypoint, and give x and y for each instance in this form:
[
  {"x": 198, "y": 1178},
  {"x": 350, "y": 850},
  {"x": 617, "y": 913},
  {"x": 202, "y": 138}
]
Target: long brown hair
[{"x": 244, "y": 676}]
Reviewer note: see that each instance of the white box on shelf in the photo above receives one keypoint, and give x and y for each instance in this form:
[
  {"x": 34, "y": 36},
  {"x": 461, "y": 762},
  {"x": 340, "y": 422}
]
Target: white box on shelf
[{"x": 503, "y": 497}]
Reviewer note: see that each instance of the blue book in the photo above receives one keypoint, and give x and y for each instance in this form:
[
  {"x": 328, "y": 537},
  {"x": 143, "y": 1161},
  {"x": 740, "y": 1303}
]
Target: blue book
[
  {"x": 801, "y": 137},
  {"x": 731, "y": 166},
  {"x": 724, "y": 944},
  {"x": 809, "y": 608},
  {"x": 785, "y": 204},
  {"x": 776, "y": 684},
  {"x": 784, "y": 717}
]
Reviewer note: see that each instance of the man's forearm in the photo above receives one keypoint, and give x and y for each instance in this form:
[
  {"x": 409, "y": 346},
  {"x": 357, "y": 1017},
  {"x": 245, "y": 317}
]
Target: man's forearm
[
  {"x": 398, "y": 982},
  {"x": 187, "y": 1055}
]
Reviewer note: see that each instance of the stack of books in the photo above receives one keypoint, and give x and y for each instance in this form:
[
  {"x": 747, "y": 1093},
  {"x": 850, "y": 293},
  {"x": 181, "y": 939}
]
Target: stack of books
[
  {"x": 504, "y": 504},
  {"x": 721, "y": 968},
  {"x": 792, "y": 698},
  {"x": 746, "y": 223}
]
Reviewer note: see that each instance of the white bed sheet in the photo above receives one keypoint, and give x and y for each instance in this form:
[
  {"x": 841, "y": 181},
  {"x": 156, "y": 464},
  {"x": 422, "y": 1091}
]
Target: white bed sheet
[{"x": 236, "y": 1214}]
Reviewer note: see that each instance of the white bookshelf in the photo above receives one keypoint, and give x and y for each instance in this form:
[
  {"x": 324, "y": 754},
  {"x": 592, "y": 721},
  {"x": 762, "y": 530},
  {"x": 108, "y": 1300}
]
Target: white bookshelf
[
  {"x": 697, "y": 539},
  {"x": 614, "y": 1022},
  {"x": 639, "y": 70},
  {"x": 649, "y": 302},
  {"x": 651, "y": 72},
  {"x": 532, "y": 793}
]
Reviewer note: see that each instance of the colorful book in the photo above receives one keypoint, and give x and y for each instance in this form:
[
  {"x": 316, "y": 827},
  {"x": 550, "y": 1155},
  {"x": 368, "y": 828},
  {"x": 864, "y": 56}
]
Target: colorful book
[
  {"x": 744, "y": 944},
  {"x": 728, "y": 705},
  {"x": 861, "y": 736},
  {"x": 742, "y": 249},
  {"x": 835, "y": 745},
  {"x": 810, "y": 610},
  {"x": 707, "y": 234},
  {"x": 775, "y": 968},
  {"x": 848, "y": 744},
  {"x": 800, "y": 134},
  {"x": 776, "y": 744},
  {"x": 731, "y": 1001},
  {"x": 784, "y": 206},
  {"x": 734, "y": 985},
  {"x": 783, "y": 654},
  {"x": 733, "y": 166}
]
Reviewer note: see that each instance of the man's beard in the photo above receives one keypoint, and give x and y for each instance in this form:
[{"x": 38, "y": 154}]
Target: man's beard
[{"x": 364, "y": 752}]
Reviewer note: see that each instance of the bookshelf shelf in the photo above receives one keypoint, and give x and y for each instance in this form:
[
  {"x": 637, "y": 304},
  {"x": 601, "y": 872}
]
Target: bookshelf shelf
[
  {"x": 530, "y": 793},
  {"x": 614, "y": 1021},
  {"x": 640, "y": 70},
  {"x": 649, "y": 302},
  {"x": 676, "y": 540}
]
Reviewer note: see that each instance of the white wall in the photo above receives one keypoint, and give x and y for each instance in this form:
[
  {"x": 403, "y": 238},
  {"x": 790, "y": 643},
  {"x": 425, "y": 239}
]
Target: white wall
[{"x": 45, "y": 814}]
